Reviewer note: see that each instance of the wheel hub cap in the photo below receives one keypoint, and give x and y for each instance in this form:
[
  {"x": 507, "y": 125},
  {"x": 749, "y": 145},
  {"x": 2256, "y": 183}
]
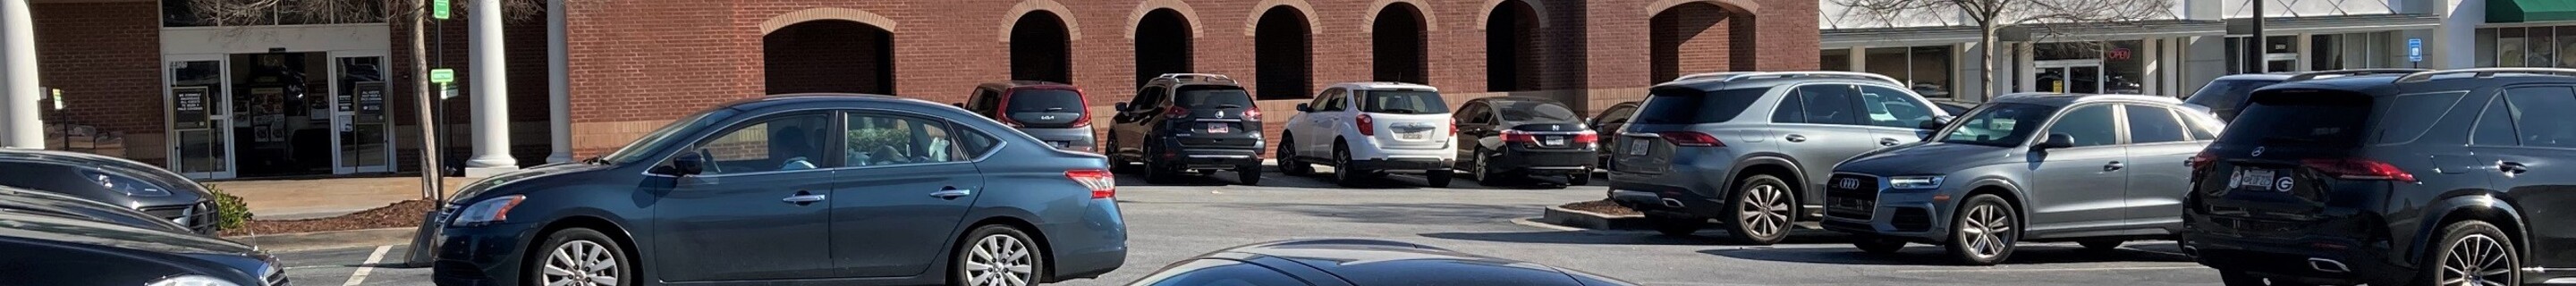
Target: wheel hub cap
[
  {"x": 581, "y": 262},
  {"x": 1986, "y": 231},
  {"x": 1000, "y": 260},
  {"x": 2477, "y": 260},
  {"x": 1766, "y": 211}
]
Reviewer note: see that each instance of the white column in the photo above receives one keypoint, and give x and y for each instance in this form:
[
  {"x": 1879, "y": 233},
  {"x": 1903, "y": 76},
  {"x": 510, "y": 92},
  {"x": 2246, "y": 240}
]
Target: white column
[
  {"x": 2026, "y": 69},
  {"x": 558, "y": 85},
  {"x": 491, "y": 93},
  {"x": 2150, "y": 79},
  {"x": 1859, "y": 59},
  {"x": 19, "y": 113},
  {"x": 2303, "y": 45},
  {"x": 2454, "y": 44}
]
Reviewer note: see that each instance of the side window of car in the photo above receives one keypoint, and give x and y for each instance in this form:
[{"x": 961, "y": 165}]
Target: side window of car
[
  {"x": 1321, "y": 97},
  {"x": 1336, "y": 99},
  {"x": 987, "y": 101},
  {"x": 1793, "y": 109},
  {"x": 2148, "y": 124},
  {"x": 2495, "y": 126},
  {"x": 2541, "y": 117},
  {"x": 1830, "y": 104},
  {"x": 1220, "y": 272},
  {"x": 794, "y": 142},
  {"x": 2200, "y": 127},
  {"x": 2090, "y": 125},
  {"x": 1890, "y": 107},
  {"x": 1469, "y": 114},
  {"x": 877, "y": 139},
  {"x": 1618, "y": 114}
]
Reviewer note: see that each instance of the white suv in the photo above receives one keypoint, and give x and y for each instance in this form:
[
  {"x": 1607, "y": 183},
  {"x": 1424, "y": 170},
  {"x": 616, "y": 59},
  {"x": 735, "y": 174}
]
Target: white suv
[{"x": 1368, "y": 129}]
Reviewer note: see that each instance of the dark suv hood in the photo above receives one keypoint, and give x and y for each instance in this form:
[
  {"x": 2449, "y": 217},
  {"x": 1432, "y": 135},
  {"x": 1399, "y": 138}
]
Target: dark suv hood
[
  {"x": 42, "y": 227},
  {"x": 1924, "y": 158}
]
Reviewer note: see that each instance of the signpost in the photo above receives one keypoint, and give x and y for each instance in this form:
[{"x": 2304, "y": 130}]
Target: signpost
[
  {"x": 2415, "y": 51},
  {"x": 438, "y": 9}
]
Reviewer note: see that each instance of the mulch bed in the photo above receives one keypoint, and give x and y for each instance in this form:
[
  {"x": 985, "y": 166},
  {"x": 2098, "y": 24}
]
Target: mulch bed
[
  {"x": 398, "y": 214},
  {"x": 1603, "y": 207}
]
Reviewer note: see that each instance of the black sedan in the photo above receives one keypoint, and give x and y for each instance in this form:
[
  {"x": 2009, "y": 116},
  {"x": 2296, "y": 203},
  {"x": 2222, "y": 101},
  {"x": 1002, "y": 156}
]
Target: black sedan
[
  {"x": 1508, "y": 138},
  {"x": 111, "y": 180},
  {"x": 46, "y": 249},
  {"x": 1359, "y": 262}
]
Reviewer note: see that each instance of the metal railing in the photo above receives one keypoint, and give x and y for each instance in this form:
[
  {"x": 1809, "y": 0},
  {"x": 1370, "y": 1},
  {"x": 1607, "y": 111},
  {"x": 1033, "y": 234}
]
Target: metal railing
[
  {"x": 2352, "y": 72},
  {"x": 1194, "y": 76},
  {"x": 1734, "y": 76},
  {"x": 2482, "y": 73}
]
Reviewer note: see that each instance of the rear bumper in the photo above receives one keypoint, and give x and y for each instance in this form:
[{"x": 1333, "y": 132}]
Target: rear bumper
[
  {"x": 1087, "y": 248},
  {"x": 1544, "y": 161},
  {"x": 1422, "y": 164},
  {"x": 2297, "y": 261},
  {"x": 1683, "y": 204},
  {"x": 1210, "y": 158}
]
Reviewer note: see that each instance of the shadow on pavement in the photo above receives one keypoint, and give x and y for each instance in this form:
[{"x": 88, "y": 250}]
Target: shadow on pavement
[
  {"x": 1703, "y": 237},
  {"x": 1423, "y": 213},
  {"x": 1919, "y": 254}
]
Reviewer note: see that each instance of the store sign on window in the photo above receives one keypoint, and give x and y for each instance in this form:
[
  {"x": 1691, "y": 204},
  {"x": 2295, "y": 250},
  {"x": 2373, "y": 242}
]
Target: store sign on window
[
  {"x": 371, "y": 98},
  {"x": 188, "y": 107}
]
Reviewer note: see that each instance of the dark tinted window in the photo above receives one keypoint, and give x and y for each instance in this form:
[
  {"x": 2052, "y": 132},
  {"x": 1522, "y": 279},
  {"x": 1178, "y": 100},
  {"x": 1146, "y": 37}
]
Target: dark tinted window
[
  {"x": 2153, "y": 125},
  {"x": 635, "y": 151},
  {"x": 2495, "y": 126},
  {"x": 2226, "y": 94},
  {"x": 1219, "y": 272},
  {"x": 2304, "y": 117},
  {"x": 1618, "y": 114},
  {"x": 1402, "y": 102},
  {"x": 1045, "y": 100},
  {"x": 776, "y": 144},
  {"x": 2090, "y": 125},
  {"x": 1540, "y": 111},
  {"x": 2201, "y": 128},
  {"x": 1998, "y": 124},
  {"x": 2429, "y": 106},
  {"x": 1830, "y": 104},
  {"x": 1147, "y": 97},
  {"x": 1211, "y": 96},
  {"x": 2542, "y": 116},
  {"x": 1691, "y": 106},
  {"x": 1791, "y": 110}
]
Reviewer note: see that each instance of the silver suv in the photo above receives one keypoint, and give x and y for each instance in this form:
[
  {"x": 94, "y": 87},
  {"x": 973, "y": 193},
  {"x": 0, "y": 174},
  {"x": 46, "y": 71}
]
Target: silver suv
[
  {"x": 1746, "y": 146},
  {"x": 2094, "y": 169}
]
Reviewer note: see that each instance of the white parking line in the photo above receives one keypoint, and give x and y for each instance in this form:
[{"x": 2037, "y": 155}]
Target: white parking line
[
  {"x": 369, "y": 266},
  {"x": 1528, "y": 223},
  {"x": 2049, "y": 269}
]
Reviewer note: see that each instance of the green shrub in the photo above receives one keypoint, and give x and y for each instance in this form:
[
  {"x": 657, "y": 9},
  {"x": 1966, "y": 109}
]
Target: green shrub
[{"x": 230, "y": 211}]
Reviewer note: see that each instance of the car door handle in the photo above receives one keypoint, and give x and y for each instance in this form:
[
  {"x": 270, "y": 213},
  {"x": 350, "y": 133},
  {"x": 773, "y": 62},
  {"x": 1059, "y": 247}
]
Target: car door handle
[
  {"x": 1887, "y": 142},
  {"x": 1797, "y": 138},
  {"x": 2114, "y": 166},
  {"x": 2512, "y": 168},
  {"x": 951, "y": 193},
  {"x": 803, "y": 198}
]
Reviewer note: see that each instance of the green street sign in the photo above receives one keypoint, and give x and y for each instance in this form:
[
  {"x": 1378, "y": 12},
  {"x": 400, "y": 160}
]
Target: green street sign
[
  {"x": 442, "y": 76},
  {"x": 58, "y": 99},
  {"x": 438, "y": 9}
]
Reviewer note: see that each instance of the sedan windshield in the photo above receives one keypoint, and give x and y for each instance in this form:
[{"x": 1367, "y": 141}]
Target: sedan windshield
[
  {"x": 635, "y": 151},
  {"x": 2000, "y": 124}
]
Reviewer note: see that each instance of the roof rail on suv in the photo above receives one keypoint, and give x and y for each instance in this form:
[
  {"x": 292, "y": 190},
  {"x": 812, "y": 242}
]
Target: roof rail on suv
[
  {"x": 2352, "y": 72},
  {"x": 1195, "y": 76},
  {"x": 2482, "y": 72},
  {"x": 1733, "y": 76}
]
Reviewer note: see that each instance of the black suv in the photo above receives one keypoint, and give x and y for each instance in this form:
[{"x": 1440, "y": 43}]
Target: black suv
[
  {"x": 2435, "y": 177},
  {"x": 1189, "y": 122},
  {"x": 2225, "y": 96}
]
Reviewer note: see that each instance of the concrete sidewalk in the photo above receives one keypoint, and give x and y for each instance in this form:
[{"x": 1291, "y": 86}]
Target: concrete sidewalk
[{"x": 317, "y": 198}]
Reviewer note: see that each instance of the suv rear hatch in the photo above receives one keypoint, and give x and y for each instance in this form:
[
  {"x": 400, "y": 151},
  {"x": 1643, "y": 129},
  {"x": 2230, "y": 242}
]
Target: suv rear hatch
[
  {"x": 1213, "y": 116},
  {"x": 1046, "y": 108},
  {"x": 1405, "y": 118},
  {"x": 1668, "y": 123},
  {"x": 2286, "y": 160}
]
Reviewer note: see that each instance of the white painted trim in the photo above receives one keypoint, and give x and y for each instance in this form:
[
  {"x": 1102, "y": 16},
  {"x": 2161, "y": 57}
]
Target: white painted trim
[{"x": 259, "y": 39}]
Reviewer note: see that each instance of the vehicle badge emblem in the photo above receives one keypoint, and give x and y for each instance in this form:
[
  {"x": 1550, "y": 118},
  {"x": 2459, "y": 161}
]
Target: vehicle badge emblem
[
  {"x": 1220, "y": 113},
  {"x": 2258, "y": 152},
  {"x": 2282, "y": 184},
  {"x": 1046, "y": 117},
  {"x": 1555, "y": 128},
  {"x": 1848, "y": 183}
]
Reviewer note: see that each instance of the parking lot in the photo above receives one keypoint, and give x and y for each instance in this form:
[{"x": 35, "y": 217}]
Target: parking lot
[{"x": 1175, "y": 221}]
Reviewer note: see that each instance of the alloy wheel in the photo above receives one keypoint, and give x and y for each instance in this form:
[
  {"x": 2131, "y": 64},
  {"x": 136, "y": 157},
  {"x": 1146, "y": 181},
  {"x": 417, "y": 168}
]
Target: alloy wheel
[
  {"x": 1988, "y": 231},
  {"x": 2477, "y": 260},
  {"x": 1000, "y": 260},
  {"x": 582, "y": 262},
  {"x": 1765, "y": 211}
]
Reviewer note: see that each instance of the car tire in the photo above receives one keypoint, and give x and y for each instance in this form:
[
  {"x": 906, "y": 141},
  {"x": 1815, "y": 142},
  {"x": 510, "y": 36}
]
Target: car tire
[
  {"x": 1249, "y": 175},
  {"x": 1117, "y": 161},
  {"x": 1439, "y": 178},
  {"x": 1155, "y": 173},
  {"x": 1484, "y": 173},
  {"x": 1878, "y": 245},
  {"x": 1288, "y": 163},
  {"x": 583, "y": 250},
  {"x": 1343, "y": 173},
  {"x": 1675, "y": 225},
  {"x": 2100, "y": 244},
  {"x": 1983, "y": 231},
  {"x": 2239, "y": 278},
  {"x": 1761, "y": 211},
  {"x": 2482, "y": 251},
  {"x": 1006, "y": 254},
  {"x": 1583, "y": 178}
]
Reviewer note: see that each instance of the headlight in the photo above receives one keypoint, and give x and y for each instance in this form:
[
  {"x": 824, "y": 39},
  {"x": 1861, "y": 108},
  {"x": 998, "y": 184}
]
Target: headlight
[
  {"x": 487, "y": 211},
  {"x": 191, "y": 280},
  {"x": 122, "y": 184},
  {"x": 1913, "y": 182}
]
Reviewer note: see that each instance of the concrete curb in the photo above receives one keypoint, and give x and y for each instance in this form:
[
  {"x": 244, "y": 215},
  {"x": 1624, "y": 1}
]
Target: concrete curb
[
  {"x": 328, "y": 239},
  {"x": 1591, "y": 220}
]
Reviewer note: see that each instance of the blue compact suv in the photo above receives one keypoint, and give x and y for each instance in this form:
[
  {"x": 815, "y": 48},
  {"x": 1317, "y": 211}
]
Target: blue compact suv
[{"x": 831, "y": 189}]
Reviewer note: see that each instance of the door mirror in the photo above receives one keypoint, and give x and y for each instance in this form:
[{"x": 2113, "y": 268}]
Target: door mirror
[
  {"x": 1121, "y": 107},
  {"x": 1929, "y": 125},
  {"x": 685, "y": 164},
  {"x": 1301, "y": 107},
  {"x": 2056, "y": 140}
]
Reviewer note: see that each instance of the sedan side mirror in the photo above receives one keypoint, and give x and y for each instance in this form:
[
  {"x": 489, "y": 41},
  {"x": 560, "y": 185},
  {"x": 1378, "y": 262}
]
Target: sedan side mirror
[
  {"x": 1121, "y": 107},
  {"x": 2056, "y": 140},
  {"x": 1301, "y": 107},
  {"x": 686, "y": 164},
  {"x": 1930, "y": 125}
]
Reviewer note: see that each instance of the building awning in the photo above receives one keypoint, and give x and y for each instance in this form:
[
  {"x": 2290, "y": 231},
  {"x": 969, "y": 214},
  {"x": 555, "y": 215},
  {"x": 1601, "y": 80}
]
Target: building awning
[
  {"x": 1924, "y": 36},
  {"x": 2334, "y": 24},
  {"x": 2519, "y": 11}
]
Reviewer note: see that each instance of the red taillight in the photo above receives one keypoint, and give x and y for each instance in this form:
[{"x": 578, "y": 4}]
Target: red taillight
[
  {"x": 1516, "y": 136},
  {"x": 2203, "y": 160},
  {"x": 1587, "y": 137},
  {"x": 1368, "y": 127},
  {"x": 1691, "y": 139},
  {"x": 2358, "y": 169},
  {"x": 1453, "y": 127},
  {"x": 1252, "y": 113},
  {"x": 1085, "y": 119},
  {"x": 1176, "y": 112},
  {"x": 1103, "y": 185}
]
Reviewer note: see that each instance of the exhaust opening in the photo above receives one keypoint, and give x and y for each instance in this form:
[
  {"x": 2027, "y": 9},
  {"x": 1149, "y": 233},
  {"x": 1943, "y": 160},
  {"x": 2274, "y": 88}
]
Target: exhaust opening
[{"x": 2328, "y": 265}]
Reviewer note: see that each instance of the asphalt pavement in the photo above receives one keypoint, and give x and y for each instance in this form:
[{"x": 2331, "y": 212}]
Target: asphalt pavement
[{"x": 1176, "y": 221}]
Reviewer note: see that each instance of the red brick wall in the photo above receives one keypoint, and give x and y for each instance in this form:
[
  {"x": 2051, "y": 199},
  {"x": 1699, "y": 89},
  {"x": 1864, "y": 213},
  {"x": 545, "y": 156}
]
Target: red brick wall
[{"x": 106, "y": 58}]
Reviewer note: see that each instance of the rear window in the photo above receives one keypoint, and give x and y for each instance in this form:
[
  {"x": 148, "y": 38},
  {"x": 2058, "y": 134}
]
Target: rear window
[
  {"x": 2226, "y": 94},
  {"x": 2300, "y": 117},
  {"x": 1692, "y": 106},
  {"x": 1208, "y": 96},
  {"x": 1045, "y": 100},
  {"x": 1402, "y": 102},
  {"x": 1522, "y": 111}
]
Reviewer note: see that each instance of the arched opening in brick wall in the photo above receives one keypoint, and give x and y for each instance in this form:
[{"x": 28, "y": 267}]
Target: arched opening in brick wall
[
  {"x": 1162, "y": 45},
  {"x": 1396, "y": 45},
  {"x": 1699, "y": 37},
  {"x": 1283, "y": 55},
  {"x": 1041, "y": 48},
  {"x": 828, "y": 56},
  {"x": 1511, "y": 47}
]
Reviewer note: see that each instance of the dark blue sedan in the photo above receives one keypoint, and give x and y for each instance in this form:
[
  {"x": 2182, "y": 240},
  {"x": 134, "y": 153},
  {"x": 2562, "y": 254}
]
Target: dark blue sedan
[{"x": 826, "y": 189}]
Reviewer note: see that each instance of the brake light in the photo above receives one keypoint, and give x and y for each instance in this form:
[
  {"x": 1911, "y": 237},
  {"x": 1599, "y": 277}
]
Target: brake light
[
  {"x": 2358, "y": 169},
  {"x": 1516, "y": 136},
  {"x": 1103, "y": 185},
  {"x": 1083, "y": 120},
  {"x": 1691, "y": 139},
  {"x": 1176, "y": 112},
  {"x": 1252, "y": 113},
  {"x": 1453, "y": 127},
  {"x": 1367, "y": 127},
  {"x": 1587, "y": 137},
  {"x": 2201, "y": 161}
]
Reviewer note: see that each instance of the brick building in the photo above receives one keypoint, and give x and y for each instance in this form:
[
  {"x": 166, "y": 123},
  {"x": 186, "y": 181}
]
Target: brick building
[{"x": 142, "y": 71}]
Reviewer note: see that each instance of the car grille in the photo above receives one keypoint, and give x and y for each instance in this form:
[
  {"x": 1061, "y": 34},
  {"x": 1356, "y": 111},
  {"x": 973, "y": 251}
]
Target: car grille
[
  {"x": 277, "y": 278},
  {"x": 199, "y": 217},
  {"x": 1851, "y": 196}
]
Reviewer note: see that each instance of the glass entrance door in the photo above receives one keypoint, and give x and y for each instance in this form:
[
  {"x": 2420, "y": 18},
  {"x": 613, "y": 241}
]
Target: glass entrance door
[
  {"x": 200, "y": 116},
  {"x": 362, "y": 128},
  {"x": 2070, "y": 76}
]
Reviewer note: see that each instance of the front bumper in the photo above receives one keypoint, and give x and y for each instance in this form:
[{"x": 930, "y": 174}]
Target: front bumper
[
  {"x": 480, "y": 256},
  {"x": 1906, "y": 215}
]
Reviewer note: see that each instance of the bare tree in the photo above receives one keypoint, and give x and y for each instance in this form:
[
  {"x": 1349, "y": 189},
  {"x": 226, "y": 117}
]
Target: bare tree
[
  {"x": 276, "y": 12},
  {"x": 2042, "y": 18}
]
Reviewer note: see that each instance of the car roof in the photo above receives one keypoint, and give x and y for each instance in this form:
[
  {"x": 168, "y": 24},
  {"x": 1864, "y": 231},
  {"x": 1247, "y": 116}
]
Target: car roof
[
  {"x": 2314, "y": 75},
  {"x": 57, "y": 156},
  {"x": 2443, "y": 80},
  {"x": 1383, "y": 85},
  {"x": 1177, "y": 79},
  {"x": 2066, "y": 99},
  {"x": 758, "y": 103},
  {"x": 1382, "y": 262},
  {"x": 92, "y": 232},
  {"x": 1023, "y": 83},
  {"x": 1734, "y": 80},
  {"x": 1516, "y": 98}
]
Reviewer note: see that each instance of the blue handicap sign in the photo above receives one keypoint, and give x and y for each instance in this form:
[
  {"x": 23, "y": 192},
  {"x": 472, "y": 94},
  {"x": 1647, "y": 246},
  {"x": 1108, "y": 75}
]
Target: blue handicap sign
[{"x": 2415, "y": 49}]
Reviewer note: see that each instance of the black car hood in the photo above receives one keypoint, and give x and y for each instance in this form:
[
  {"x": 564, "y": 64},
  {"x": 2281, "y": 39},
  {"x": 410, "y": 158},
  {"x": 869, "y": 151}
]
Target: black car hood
[
  {"x": 83, "y": 231},
  {"x": 42, "y": 203},
  {"x": 496, "y": 183},
  {"x": 1923, "y": 158},
  {"x": 1366, "y": 262}
]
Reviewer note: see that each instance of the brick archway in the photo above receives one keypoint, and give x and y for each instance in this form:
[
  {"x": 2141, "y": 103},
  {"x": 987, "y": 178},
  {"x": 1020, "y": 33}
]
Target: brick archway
[
  {"x": 1694, "y": 36},
  {"x": 1252, "y": 23},
  {"x": 1136, "y": 20},
  {"x": 828, "y": 55},
  {"x": 1163, "y": 39},
  {"x": 1397, "y": 45},
  {"x": 1538, "y": 10},
  {"x": 1421, "y": 9},
  {"x": 1041, "y": 45},
  {"x": 1512, "y": 41},
  {"x": 826, "y": 13},
  {"x": 1072, "y": 27},
  {"x": 1283, "y": 53}
]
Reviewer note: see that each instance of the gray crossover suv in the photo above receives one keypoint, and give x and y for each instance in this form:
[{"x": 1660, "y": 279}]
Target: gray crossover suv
[
  {"x": 2108, "y": 168},
  {"x": 1746, "y": 147}
]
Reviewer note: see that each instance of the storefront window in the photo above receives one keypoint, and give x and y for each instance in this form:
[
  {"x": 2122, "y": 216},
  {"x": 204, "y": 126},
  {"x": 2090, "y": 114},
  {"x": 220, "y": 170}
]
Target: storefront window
[
  {"x": 2124, "y": 67},
  {"x": 2325, "y": 52},
  {"x": 1834, "y": 60},
  {"x": 1932, "y": 71},
  {"x": 2236, "y": 55},
  {"x": 1887, "y": 61},
  {"x": 2509, "y": 47},
  {"x": 2565, "y": 48},
  {"x": 2486, "y": 50},
  {"x": 2543, "y": 52}
]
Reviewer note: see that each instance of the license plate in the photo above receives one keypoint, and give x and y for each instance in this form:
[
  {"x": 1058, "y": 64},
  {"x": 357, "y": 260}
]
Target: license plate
[
  {"x": 1636, "y": 147},
  {"x": 2253, "y": 179},
  {"x": 1553, "y": 141},
  {"x": 1219, "y": 128},
  {"x": 1410, "y": 136}
]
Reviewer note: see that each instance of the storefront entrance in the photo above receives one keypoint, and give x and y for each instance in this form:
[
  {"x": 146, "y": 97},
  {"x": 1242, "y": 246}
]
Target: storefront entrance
[
  {"x": 2070, "y": 76},
  {"x": 278, "y": 114}
]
